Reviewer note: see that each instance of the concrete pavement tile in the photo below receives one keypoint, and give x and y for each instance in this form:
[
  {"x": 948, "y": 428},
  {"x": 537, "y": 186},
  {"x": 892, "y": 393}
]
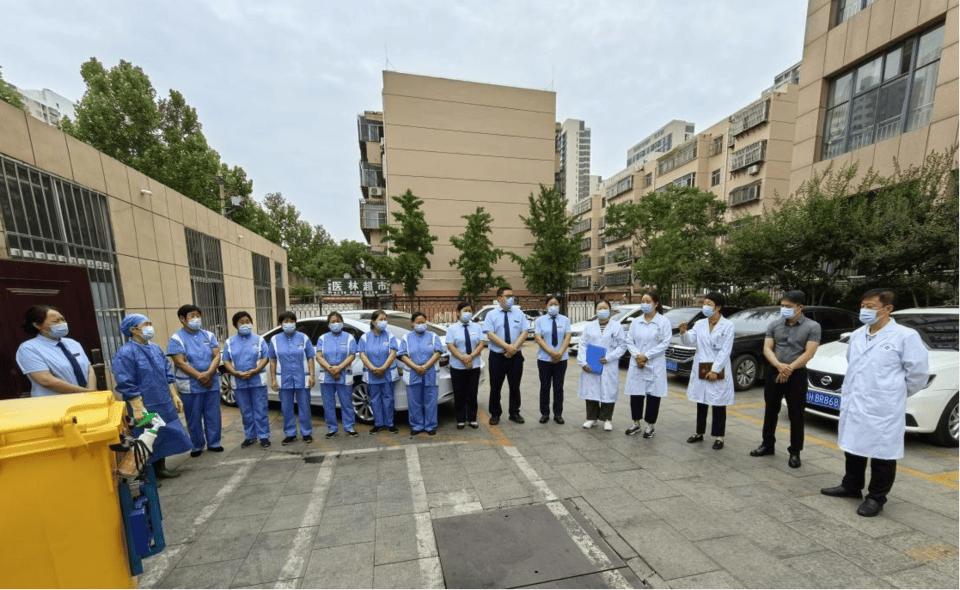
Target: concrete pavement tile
[
  {"x": 281, "y": 584},
  {"x": 270, "y": 472},
  {"x": 593, "y": 517},
  {"x": 343, "y": 566},
  {"x": 249, "y": 500},
  {"x": 944, "y": 503},
  {"x": 618, "y": 507},
  {"x": 396, "y": 539},
  {"x": 208, "y": 575},
  {"x": 558, "y": 454},
  {"x": 750, "y": 564},
  {"x": 353, "y": 489},
  {"x": 921, "y": 519},
  {"x": 609, "y": 461},
  {"x": 446, "y": 454},
  {"x": 706, "y": 494},
  {"x": 224, "y": 540},
  {"x": 405, "y": 574},
  {"x": 393, "y": 490},
  {"x": 493, "y": 490},
  {"x": 543, "y": 468},
  {"x": 721, "y": 474},
  {"x": 560, "y": 488},
  {"x": 787, "y": 510},
  {"x": 688, "y": 519},
  {"x": 776, "y": 538},
  {"x": 394, "y": 507},
  {"x": 937, "y": 574},
  {"x": 445, "y": 479},
  {"x": 288, "y": 513},
  {"x": 640, "y": 567},
  {"x": 643, "y": 485},
  {"x": 346, "y": 525},
  {"x": 791, "y": 485},
  {"x": 301, "y": 482},
  {"x": 664, "y": 468},
  {"x": 458, "y": 510},
  {"x": 514, "y": 502},
  {"x": 268, "y": 556},
  {"x": 585, "y": 476},
  {"x": 919, "y": 544},
  {"x": 453, "y": 498},
  {"x": 865, "y": 552},
  {"x": 668, "y": 553},
  {"x": 180, "y": 526},
  {"x": 829, "y": 570},
  {"x": 595, "y": 580},
  {"x": 484, "y": 460},
  {"x": 844, "y": 510},
  {"x": 717, "y": 579},
  {"x": 196, "y": 482},
  {"x": 358, "y": 463},
  {"x": 621, "y": 547},
  {"x": 756, "y": 494}
]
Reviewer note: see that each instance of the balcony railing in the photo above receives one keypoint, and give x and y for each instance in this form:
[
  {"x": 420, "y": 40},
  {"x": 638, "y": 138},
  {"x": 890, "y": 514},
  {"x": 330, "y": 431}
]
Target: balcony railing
[
  {"x": 582, "y": 225},
  {"x": 585, "y": 245},
  {"x": 584, "y": 263},
  {"x": 373, "y": 214},
  {"x": 750, "y": 117},
  {"x": 679, "y": 157},
  {"x": 617, "y": 279},
  {"x": 745, "y": 194},
  {"x": 582, "y": 206},
  {"x": 370, "y": 175},
  {"x": 580, "y": 282},
  {"x": 753, "y": 153}
]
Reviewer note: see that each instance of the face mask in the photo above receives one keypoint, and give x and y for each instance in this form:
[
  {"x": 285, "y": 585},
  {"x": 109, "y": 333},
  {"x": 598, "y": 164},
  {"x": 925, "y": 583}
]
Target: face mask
[
  {"x": 787, "y": 312},
  {"x": 59, "y": 330},
  {"x": 335, "y": 328},
  {"x": 465, "y": 317},
  {"x": 553, "y": 310},
  {"x": 194, "y": 324},
  {"x": 603, "y": 314},
  {"x": 646, "y": 307},
  {"x": 245, "y": 329},
  {"x": 868, "y": 316},
  {"x": 420, "y": 328},
  {"x": 289, "y": 328},
  {"x": 508, "y": 303},
  {"x": 382, "y": 325},
  {"x": 708, "y": 311},
  {"x": 147, "y": 332}
]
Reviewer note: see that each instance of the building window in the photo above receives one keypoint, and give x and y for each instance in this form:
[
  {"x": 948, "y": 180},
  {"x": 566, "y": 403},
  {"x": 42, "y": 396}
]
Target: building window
[
  {"x": 887, "y": 95},
  {"x": 618, "y": 279},
  {"x": 580, "y": 282},
  {"x": 745, "y": 194},
  {"x": 278, "y": 285},
  {"x": 585, "y": 244},
  {"x": 584, "y": 263},
  {"x": 648, "y": 180},
  {"x": 715, "y": 177},
  {"x": 847, "y": 8},
  {"x": 752, "y": 154},
  {"x": 717, "y": 146},
  {"x": 206, "y": 280},
  {"x": 622, "y": 186},
  {"x": 749, "y": 117},
  {"x": 262, "y": 295},
  {"x": 683, "y": 154}
]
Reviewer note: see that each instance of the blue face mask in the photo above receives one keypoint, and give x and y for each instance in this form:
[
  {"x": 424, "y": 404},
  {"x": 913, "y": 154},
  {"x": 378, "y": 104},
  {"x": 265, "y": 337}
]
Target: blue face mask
[
  {"x": 868, "y": 316},
  {"x": 646, "y": 307},
  {"x": 147, "y": 332},
  {"x": 708, "y": 311},
  {"x": 603, "y": 314},
  {"x": 289, "y": 328},
  {"x": 59, "y": 331},
  {"x": 420, "y": 328},
  {"x": 195, "y": 324},
  {"x": 336, "y": 328},
  {"x": 787, "y": 312},
  {"x": 553, "y": 310},
  {"x": 508, "y": 303},
  {"x": 245, "y": 329},
  {"x": 382, "y": 325},
  {"x": 465, "y": 317}
]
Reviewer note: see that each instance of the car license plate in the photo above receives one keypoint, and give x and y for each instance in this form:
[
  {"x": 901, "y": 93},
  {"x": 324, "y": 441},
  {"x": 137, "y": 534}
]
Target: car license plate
[
  {"x": 671, "y": 366},
  {"x": 824, "y": 400}
]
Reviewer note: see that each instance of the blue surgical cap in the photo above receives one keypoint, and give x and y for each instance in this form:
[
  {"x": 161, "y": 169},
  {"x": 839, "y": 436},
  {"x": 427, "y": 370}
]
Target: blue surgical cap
[{"x": 132, "y": 321}]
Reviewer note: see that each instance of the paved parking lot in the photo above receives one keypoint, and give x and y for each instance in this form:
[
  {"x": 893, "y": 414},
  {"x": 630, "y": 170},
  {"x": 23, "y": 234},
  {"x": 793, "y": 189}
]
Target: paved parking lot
[{"x": 365, "y": 512}]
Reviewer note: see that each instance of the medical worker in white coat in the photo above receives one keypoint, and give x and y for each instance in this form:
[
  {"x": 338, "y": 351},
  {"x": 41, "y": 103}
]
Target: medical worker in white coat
[
  {"x": 886, "y": 362},
  {"x": 713, "y": 337},
  {"x": 647, "y": 340},
  {"x": 600, "y": 390}
]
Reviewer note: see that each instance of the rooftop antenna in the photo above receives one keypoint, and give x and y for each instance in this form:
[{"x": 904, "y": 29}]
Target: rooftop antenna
[
  {"x": 387, "y": 65},
  {"x": 552, "y": 76}
]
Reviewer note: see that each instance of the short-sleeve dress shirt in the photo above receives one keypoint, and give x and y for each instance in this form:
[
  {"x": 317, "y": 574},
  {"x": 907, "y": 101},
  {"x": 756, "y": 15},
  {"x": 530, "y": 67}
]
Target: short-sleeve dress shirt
[
  {"x": 789, "y": 342},
  {"x": 43, "y": 354}
]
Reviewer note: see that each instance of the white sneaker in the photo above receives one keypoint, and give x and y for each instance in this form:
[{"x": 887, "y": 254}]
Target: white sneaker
[
  {"x": 589, "y": 423},
  {"x": 608, "y": 425}
]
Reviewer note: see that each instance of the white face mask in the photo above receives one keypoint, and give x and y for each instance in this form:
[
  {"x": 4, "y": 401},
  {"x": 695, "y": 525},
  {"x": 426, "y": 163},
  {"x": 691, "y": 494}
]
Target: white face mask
[
  {"x": 708, "y": 311},
  {"x": 245, "y": 329},
  {"x": 335, "y": 328},
  {"x": 603, "y": 314},
  {"x": 508, "y": 303},
  {"x": 195, "y": 323},
  {"x": 147, "y": 332},
  {"x": 465, "y": 317},
  {"x": 646, "y": 307},
  {"x": 553, "y": 310},
  {"x": 382, "y": 325},
  {"x": 788, "y": 312},
  {"x": 289, "y": 327},
  {"x": 868, "y": 316},
  {"x": 58, "y": 331}
]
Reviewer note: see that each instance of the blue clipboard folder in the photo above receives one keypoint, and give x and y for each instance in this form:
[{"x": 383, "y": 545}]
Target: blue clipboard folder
[{"x": 594, "y": 354}]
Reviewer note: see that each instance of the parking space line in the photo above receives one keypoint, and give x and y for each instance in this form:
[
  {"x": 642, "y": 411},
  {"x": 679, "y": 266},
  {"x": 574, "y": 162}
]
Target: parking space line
[{"x": 431, "y": 573}]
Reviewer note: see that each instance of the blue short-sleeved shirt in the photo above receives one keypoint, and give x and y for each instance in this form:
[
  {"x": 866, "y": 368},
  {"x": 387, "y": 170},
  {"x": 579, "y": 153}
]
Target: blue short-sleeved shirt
[
  {"x": 377, "y": 349},
  {"x": 199, "y": 349},
  {"x": 335, "y": 349},
  {"x": 494, "y": 323},
  {"x": 43, "y": 354},
  {"x": 291, "y": 353},
  {"x": 245, "y": 352},
  {"x": 420, "y": 347},
  {"x": 544, "y": 327},
  {"x": 456, "y": 336}
]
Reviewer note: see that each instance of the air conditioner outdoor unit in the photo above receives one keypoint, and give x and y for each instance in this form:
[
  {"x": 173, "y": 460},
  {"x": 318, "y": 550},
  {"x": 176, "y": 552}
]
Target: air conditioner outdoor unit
[
  {"x": 376, "y": 191},
  {"x": 754, "y": 169}
]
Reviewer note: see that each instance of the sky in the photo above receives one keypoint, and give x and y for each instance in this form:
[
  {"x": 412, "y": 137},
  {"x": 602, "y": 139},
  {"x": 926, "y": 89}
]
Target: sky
[{"x": 278, "y": 85}]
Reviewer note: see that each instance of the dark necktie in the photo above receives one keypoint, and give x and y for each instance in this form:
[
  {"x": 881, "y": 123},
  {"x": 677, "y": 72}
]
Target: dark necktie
[
  {"x": 81, "y": 378},
  {"x": 556, "y": 340},
  {"x": 466, "y": 334},
  {"x": 506, "y": 327}
]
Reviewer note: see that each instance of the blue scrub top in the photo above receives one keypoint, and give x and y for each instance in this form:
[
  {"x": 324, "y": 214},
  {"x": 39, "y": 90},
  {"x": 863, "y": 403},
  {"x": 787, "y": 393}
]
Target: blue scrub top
[
  {"x": 420, "y": 347},
  {"x": 143, "y": 370},
  {"x": 336, "y": 348},
  {"x": 245, "y": 352},
  {"x": 291, "y": 353},
  {"x": 544, "y": 327},
  {"x": 199, "y": 348},
  {"x": 43, "y": 354},
  {"x": 455, "y": 335},
  {"x": 494, "y": 323},
  {"x": 377, "y": 349}
]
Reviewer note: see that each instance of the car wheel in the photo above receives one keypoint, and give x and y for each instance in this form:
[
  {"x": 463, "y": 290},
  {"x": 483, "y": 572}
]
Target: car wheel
[
  {"x": 226, "y": 391},
  {"x": 361, "y": 403},
  {"x": 949, "y": 426},
  {"x": 745, "y": 372}
]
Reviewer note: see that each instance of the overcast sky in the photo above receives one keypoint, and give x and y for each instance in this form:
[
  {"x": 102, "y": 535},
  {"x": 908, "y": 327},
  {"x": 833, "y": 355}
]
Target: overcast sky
[{"x": 278, "y": 85}]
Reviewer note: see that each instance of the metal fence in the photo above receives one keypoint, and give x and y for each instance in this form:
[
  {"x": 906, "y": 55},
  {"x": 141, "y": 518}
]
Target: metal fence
[{"x": 322, "y": 308}]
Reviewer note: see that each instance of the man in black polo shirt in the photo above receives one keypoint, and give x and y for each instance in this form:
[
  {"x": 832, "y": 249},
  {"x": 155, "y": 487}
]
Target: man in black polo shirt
[{"x": 791, "y": 342}]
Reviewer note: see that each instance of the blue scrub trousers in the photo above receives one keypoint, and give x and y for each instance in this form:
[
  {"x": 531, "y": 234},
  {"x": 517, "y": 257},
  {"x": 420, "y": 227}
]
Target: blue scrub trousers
[
  {"x": 302, "y": 395},
  {"x": 202, "y": 411},
  {"x": 331, "y": 392},
  {"x": 422, "y": 406},
  {"x": 381, "y": 402},
  {"x": 253, "y": 410}
]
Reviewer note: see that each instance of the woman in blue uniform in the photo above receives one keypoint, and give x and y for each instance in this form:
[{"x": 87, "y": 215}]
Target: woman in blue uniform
[
  {"x": 465, "y": 342},
  {"x": 378, "y": 351},
  {"x": 195, "y": 353},
  {"x": 54, "y": 363},
  {"x": 145, "y": 378},
  {"x": 245, "y": 358},
  {"x": 420, "y": 350},
  {"x": 335, "y": 353},
  {"x": 289, "y": 352}
]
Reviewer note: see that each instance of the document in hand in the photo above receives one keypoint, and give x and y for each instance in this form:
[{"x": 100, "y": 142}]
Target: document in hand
[{"x": 594, "y": 354}]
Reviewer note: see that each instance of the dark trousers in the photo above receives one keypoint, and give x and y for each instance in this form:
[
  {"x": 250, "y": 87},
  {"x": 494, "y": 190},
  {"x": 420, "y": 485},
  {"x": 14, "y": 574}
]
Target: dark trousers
[
  {"x": 653, "y": 408},
  {"x": 882, "y": 474},
  {"x": 719, "y": 425},
  {"x": 510, "y": 368},
  {"x": 795, "y": 390},
  {"x": 551, "y": 373},
  {"x": 465, "y": 384},
  {"x": 599, "y": 410}
]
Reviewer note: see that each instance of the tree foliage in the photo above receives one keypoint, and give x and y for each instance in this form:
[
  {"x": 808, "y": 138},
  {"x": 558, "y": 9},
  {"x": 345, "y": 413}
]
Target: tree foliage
[
  {"x": 409, "y": 241},
  {"x": 477, "y": 256},
  {"x": 556, "y": 248},
  {"x": 304, "y": 242},
  {"x": 335, "y": 260},
  {"x": 9, "y": 95}
]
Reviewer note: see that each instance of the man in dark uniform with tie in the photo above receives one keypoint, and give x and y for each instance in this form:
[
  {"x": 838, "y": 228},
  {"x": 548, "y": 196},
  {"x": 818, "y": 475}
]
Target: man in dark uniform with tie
[{"x": 506, "y": 329}]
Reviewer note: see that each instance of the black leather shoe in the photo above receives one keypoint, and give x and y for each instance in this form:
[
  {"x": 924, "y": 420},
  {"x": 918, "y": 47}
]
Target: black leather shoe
[
  {"x": 432, "y": 432},
  {"x": 695, "y": 438},
  {"x": 544, "y": 419},
  {"x": 265, "y": 442},
  {"x": 215, "y": 449},
  {"x": 717, "y": 444},
  {"x": 247, "y": 443},
  {"x": 517, "y": 418},
  {"x": 415, "y": 432},
  {"x": 870, "y": 507},
  {"x": 196, "y": 453},
  {"x": 288, "y": 440},
  {"x": 376, "y": 429},
  {"x": 794, "y": 461},
  {"x": 166, "y": 474},
  {"x": 393, "y": 429},
  {"x": 461, "y": 425},
  {"x": 558, "y": 419},
  {"x": 841, "y": 492},
  {"x": 761, "y": 451},
  {"x": 494, "y": 420}
]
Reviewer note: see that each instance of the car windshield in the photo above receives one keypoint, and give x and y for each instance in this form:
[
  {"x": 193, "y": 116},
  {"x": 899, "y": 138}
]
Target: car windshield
[
  {"x": 678, "y": 315},
  {"x": 754, "y": 320},
  {"x": 938, "y": 331}
]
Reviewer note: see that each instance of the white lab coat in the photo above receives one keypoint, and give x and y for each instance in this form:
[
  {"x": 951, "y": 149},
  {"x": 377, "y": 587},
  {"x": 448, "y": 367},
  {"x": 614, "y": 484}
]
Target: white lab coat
[
  {"x": 605, "y": 386},
  {"x": 650, "y": 339},
  {"x": 712, "y": 347},
  {"x": 881, "y": 372}
]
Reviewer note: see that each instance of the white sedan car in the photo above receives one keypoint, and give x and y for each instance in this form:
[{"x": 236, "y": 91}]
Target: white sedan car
[
  {"x": 621, "y": 313},
  {"x": 932, "y": 410}
]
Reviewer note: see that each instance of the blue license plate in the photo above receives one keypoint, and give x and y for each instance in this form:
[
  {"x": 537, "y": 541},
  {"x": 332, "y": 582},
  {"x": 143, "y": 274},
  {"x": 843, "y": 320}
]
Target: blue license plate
[
  {"x": 824, "y": 400},
  {"x": 671, "y": 366}
]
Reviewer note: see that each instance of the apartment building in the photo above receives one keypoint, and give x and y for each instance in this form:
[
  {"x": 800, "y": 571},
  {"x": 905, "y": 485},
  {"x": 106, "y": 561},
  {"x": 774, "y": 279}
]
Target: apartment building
[
  {"x": 573, "y": 149},
  {"x": 373, "y": 184},
  {"x": 47, "y": 105},
  {"x": 459, "y": 145},
  {"x": 660, "y": 141}
]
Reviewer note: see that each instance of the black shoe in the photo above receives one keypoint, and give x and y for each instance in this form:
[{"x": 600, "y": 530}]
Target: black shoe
[
  {"x": 196, "y": 453},
  {"x": 352, "y": 433},
  {"x": 415, "y": 432},
  {"x": 632, "y": 430},
  {"x": 649, "y": 432},
  {"x": 517, "y": 418},
  {"x": 794, "y": 461},
  {"x": 376, "y": 429},
  {"x": 558, "y": 419},
  {"x": 432, "y": 432},
  {"x": 474, "y": 424},
  {"x": 695, "y": 438},
  {"x": 288, "y": 440},
  {"x": 461, "y": 425},
  {"x": 307, "y": 438},
  {"x": 247, "y": 443},
  {"x": 718, "y": 444},
  {"x": 265, "y": 442},
  {"x": 330, "y": 434},
  {"x": 166, "y": 474},
  {"x": 215, "y": 449},
  {"x": 544, "y": 419},
  {"x": 841, "y": 492},
  {"x": 761, "y": 451},
  {"x": 392, "y": 429},
  {"x": 870, "y": 507},
  {"x": 494, "y": 420}
]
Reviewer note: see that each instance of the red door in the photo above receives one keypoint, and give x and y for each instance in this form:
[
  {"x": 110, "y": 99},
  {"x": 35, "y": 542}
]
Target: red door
[{"x": 67, "y": 288}]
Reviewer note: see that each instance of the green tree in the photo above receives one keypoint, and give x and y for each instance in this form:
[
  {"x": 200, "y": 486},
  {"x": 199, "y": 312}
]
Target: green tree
[
  {"x": 9, "y": 95},
  {"x": 477, "y": 256},
  {"x": 556, "y": 249},
  {"x": 303, "y": 241},
  {"x": 409, "y": 241},
  {"x": 335, "y": 260}
]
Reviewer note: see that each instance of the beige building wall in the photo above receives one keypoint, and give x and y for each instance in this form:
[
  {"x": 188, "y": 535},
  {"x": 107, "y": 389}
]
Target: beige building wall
[
  {"x": 459, "y": 145},
  {"x": 148, "y": 229},
  {"x": 831, "y": 50}
]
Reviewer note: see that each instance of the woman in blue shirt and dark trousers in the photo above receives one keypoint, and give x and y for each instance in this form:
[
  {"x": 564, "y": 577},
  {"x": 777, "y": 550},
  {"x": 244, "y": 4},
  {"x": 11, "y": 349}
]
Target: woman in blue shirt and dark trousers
[
  {"x": 420, "y": 350},
  {"x": 552, "y": 334},
  {"x": 335, "y": 353},
  {"x": 245, "y": 358},
  {"x": 465, "y": 343},
  {"x": 289, "y": 352},
  {"x": 54, "y": 363}
]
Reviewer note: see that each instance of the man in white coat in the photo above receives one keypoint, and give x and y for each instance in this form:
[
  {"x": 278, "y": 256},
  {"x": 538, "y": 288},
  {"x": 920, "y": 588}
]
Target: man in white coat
[{"x": 886, "y": 362}]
